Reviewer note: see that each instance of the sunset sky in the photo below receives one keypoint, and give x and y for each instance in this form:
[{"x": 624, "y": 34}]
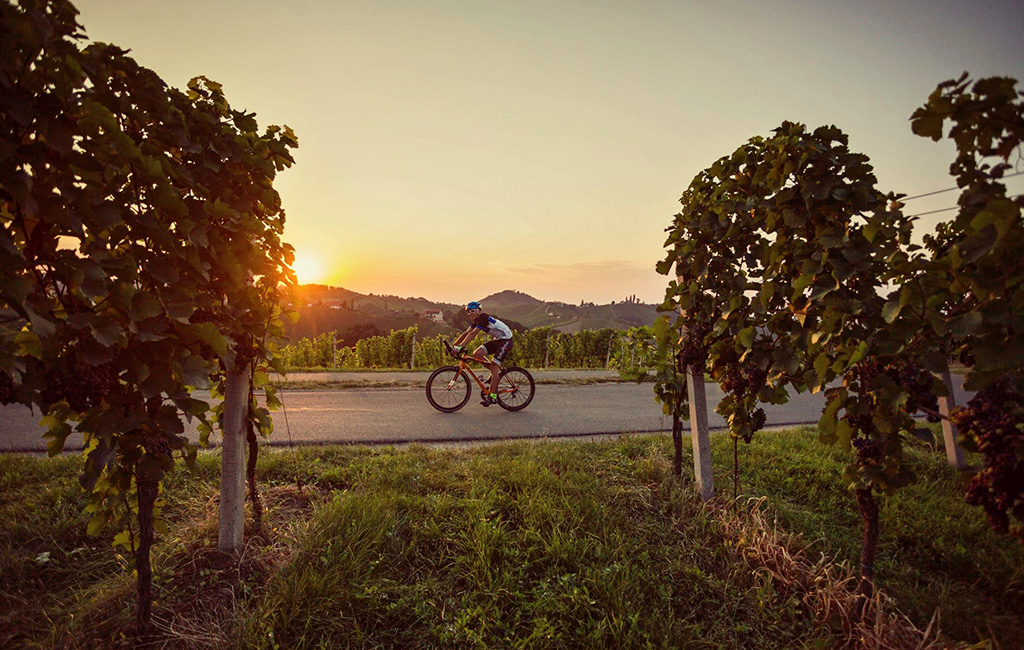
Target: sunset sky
[{"x": 452, "y": 149}]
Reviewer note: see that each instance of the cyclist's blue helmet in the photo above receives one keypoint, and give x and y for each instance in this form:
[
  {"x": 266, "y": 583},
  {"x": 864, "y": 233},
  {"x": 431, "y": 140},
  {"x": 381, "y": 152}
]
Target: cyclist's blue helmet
[{"x": 473, "y": 305}]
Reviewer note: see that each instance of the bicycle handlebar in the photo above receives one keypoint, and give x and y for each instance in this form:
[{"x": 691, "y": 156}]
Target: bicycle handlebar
[
  {"x": 462, "y": 357},
  {"x": 451, "y": 351}
]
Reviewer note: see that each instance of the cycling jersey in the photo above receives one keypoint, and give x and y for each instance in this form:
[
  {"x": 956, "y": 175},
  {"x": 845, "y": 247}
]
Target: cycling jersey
[{"x": 492, "y": 326}]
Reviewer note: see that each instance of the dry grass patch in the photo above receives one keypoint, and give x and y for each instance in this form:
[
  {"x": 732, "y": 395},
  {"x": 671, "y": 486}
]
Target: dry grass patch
[{"x": 820, "y": 586}]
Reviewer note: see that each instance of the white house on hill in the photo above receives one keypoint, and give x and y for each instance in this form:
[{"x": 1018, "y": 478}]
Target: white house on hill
[{"x": 435, "y": 315}]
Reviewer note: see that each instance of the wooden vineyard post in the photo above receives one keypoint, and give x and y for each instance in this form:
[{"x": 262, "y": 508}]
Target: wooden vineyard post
[
  {"x": 954, "y": 452},
  {"x": 232, "y": 461}
]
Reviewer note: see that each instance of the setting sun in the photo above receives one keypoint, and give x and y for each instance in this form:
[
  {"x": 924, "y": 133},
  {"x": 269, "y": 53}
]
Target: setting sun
[{"x": 308, "y": 269}]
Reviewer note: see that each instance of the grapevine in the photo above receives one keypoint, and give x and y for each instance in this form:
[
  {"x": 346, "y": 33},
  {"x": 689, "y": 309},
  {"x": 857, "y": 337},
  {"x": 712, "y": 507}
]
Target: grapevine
[
  {"x": 993, "y": 424},
  {"x": 167, "y": 198},
  {"x": 785, "y": 248},
  {"x": 974, "y": 281}
]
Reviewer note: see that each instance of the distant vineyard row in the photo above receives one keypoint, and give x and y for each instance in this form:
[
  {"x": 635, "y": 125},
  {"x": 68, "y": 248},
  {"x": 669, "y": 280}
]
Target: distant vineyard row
[{"x": 629, "y": 351}]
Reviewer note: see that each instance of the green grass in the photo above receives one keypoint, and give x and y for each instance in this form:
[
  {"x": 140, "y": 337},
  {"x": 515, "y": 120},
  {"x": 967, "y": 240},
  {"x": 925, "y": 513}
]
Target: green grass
[
  {"x": 526, "y": 545},
  {"x": 516, "y": 546},
  {"x": 934, "y": 551}
]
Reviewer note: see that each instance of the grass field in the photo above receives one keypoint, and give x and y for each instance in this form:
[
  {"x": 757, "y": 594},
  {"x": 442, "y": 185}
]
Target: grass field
[{"x": 527, "y": 545}]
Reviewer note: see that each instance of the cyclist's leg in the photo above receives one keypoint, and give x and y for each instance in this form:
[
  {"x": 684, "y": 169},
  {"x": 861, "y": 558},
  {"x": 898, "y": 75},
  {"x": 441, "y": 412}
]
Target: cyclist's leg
[
  {"x": 495, "y": 371},
  {"x": 483, "y": 352},
  {"x": 501, "y": 350}
]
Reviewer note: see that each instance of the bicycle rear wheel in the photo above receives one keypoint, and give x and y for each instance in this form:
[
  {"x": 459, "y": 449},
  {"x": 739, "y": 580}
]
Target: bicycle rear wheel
[
  {"x": 448, "y": 390},
  {"x": 515, "y": 388}
]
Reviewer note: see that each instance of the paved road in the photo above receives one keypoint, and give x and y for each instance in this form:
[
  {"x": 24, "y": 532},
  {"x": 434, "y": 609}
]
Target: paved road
[
  {"x": 419, "y": 377},
  {"x": 401, "y": 415}
]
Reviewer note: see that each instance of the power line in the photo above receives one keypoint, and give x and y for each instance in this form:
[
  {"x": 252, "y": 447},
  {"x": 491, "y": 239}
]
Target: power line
[
  {"x": 948, "y": 189},
  {"x": 955, "y": 207},
  {"x": 921, "y": 214},
  {"x": 921, "y": 196}
]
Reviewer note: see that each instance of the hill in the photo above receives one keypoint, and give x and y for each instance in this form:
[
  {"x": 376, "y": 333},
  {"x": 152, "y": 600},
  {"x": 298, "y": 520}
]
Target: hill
[
  {"x": 532, "y": 312},
  {"x": 354, "y": 315}
]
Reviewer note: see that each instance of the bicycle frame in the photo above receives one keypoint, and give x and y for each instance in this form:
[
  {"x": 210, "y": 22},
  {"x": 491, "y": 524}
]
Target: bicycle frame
[
  {"x": 448, "y": 390},
  {"x": 463, "y": 366}
]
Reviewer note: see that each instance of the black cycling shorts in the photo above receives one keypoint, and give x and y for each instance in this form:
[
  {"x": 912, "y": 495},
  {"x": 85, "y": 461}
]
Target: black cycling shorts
[{"x": 499, "y": 348}]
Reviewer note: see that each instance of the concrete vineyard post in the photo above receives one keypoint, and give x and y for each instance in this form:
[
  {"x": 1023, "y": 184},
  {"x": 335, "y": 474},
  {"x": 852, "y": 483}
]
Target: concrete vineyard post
[
  {"x": 232, "y": 462},
  {"x": 954, "y": 452},
  {"x": 700, "y": 436},
  {"x": 699, "y": 433}
]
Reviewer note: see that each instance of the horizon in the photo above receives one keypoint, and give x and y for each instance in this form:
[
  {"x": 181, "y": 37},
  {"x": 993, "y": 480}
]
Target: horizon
[
  {"x": 478, "y": 298},
  {"x": 446, "y": 147}
]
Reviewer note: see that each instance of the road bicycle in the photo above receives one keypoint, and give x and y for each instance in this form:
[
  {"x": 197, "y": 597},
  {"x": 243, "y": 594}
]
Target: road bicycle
[{"x": 448, "y": 388}]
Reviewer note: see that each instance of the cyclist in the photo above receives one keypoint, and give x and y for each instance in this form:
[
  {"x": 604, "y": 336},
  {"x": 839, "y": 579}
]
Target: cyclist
[{"x": 499, "y": 345}]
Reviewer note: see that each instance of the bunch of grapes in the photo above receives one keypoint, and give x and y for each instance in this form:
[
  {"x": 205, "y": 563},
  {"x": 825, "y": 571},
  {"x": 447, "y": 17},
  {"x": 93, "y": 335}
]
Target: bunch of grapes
[
  {"x": 865, "y": 373},
  {"x": 744, "y": 379},
  {"x": 244, "y": 354},
  {"x": 910, "y": 375},
  {"x": 869, "y": 452},
  {"x": 100, "y": 379},
  {"x": 861, "y": 422},
  {"x": 691, "y": 348},
  {"x": 53, "y": 386},
  {"x": 80, "y": 385},
  {"x": 918, "y": 383},
  {"x": 7, "y": 390},
  {"x": 994, "y": 420}
]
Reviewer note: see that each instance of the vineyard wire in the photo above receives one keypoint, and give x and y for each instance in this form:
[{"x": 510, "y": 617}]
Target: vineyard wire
[{"x": 955, "y": 207}]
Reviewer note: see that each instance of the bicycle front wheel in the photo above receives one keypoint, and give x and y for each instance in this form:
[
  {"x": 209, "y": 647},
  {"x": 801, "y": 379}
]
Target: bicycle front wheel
[
  {"x": 515, "y": 388},
  {"x": 447, "y": 389}
]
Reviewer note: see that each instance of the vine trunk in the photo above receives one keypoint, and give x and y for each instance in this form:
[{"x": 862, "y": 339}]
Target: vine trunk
[
  {"x": 148, "y": 491},
  {"x": 869, "y": 520},
  {"x": 677, "y": 442},
  {"x": 254, "y": 451}
]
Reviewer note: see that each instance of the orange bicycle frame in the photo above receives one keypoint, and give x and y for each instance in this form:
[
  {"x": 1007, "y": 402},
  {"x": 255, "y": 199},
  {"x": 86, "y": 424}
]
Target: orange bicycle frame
[{"x": 464, "y": 368}]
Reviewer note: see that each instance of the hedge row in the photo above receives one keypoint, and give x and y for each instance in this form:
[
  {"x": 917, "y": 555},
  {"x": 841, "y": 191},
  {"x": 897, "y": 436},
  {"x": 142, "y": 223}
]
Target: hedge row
[{"x": 540, "y": 347}]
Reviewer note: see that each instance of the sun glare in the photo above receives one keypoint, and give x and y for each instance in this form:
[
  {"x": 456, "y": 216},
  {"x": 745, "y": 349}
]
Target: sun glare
[{"x": 308, "y": 269}]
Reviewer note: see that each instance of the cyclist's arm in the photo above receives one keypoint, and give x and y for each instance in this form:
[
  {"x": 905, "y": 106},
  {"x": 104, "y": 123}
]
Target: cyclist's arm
[{"x": 465, "y": 336}]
